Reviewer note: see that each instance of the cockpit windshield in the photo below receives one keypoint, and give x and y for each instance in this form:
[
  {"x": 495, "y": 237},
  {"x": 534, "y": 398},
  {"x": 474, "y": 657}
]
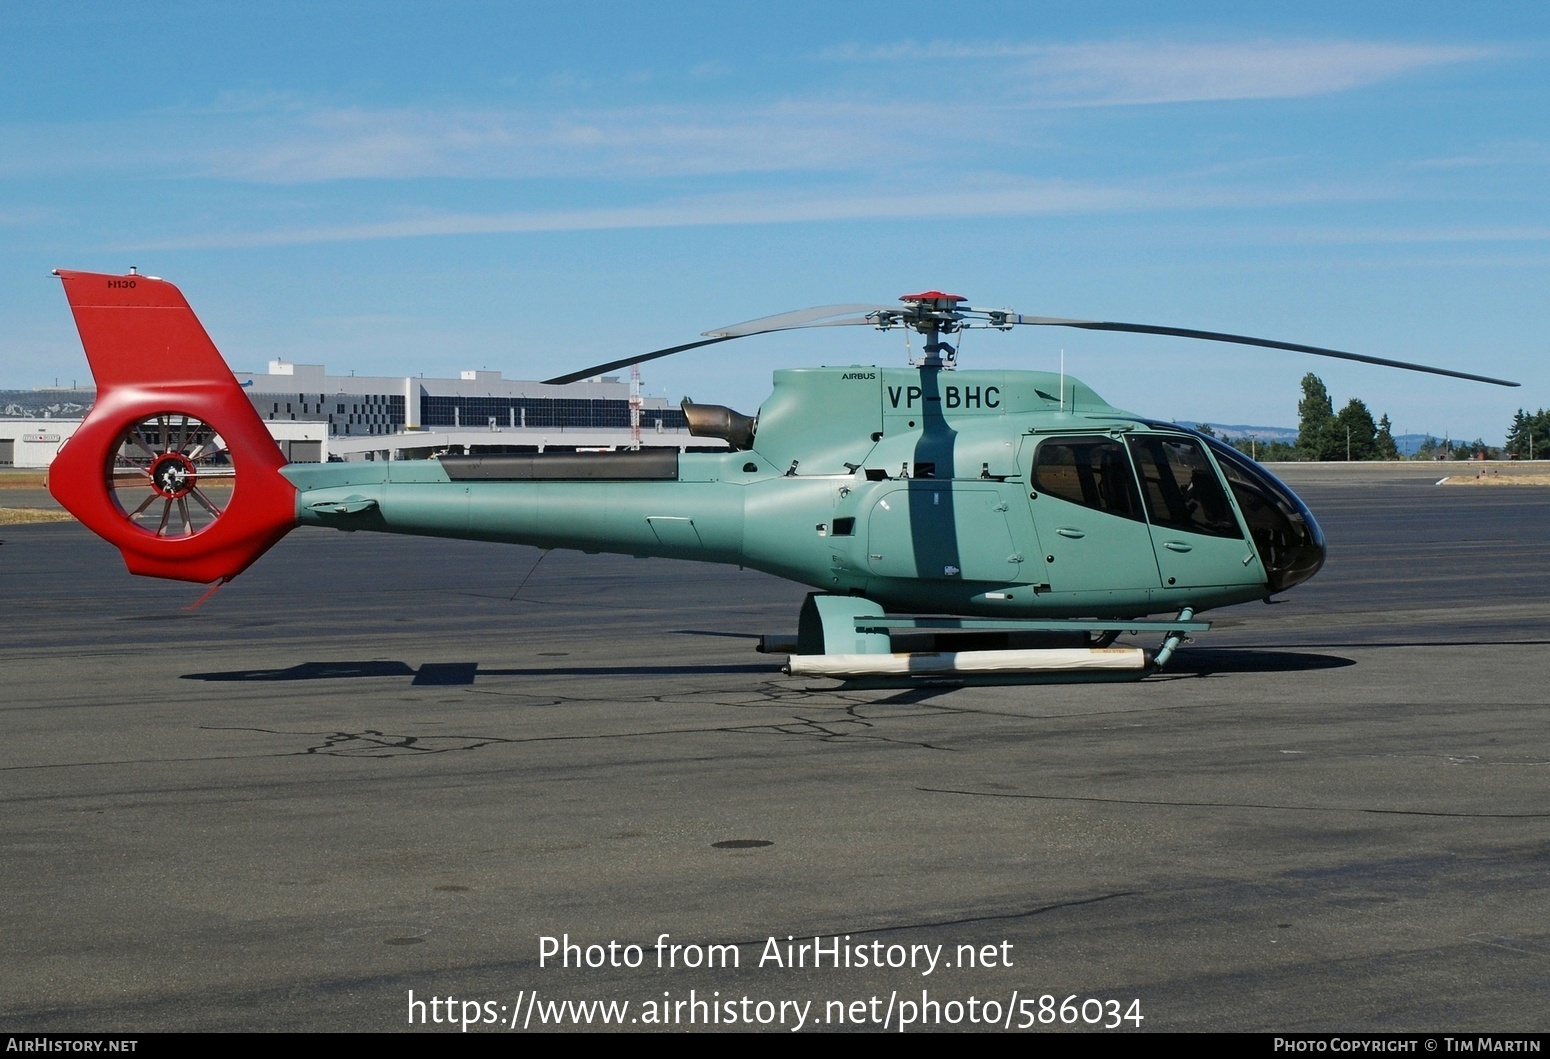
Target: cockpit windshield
[{"x": 1289, "y": 540}]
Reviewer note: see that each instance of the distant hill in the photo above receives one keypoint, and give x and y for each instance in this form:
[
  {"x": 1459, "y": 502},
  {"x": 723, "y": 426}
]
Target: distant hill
[
  {"x": 1238, "y": 430},
  {"x": 1408, "y": 444}
]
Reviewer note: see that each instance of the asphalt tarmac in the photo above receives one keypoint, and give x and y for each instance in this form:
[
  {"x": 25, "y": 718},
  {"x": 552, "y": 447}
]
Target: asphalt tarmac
[{"x": 374, "y": 773}]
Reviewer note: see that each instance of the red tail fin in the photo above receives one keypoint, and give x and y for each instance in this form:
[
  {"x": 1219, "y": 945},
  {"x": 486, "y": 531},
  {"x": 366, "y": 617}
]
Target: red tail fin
[{"x": 173, "y": 466}]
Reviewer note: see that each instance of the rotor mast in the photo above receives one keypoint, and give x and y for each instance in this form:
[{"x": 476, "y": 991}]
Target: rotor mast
[{"x": 932, "y": 314}]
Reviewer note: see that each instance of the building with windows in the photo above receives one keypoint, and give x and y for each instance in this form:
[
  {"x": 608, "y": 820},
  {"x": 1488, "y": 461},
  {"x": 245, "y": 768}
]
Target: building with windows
[
  {"x": 355, "y": 405},
  {"x": 315, "y": 416}
]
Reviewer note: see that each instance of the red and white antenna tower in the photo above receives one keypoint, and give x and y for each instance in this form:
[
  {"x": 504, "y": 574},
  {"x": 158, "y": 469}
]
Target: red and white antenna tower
[{"x": 636, "y": 404}]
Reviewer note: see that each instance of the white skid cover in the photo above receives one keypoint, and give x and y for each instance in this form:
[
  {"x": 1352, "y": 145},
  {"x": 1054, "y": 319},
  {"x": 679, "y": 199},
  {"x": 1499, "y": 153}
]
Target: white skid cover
[{"x": 1043, "y": 661}]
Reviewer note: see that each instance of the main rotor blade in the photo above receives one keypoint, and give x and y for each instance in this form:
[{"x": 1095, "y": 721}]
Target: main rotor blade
[
  {"x": 639, "y": 358},
  {"x": 798, "y": 318},
  {"x": 1244, "y": 340},
  {"x": 764, "y": 325},
  {"x": 861, "y": 314}
]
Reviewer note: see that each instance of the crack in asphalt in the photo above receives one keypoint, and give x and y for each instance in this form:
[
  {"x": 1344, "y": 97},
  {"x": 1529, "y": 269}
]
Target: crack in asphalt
[{"x": 1235, "y": 805}]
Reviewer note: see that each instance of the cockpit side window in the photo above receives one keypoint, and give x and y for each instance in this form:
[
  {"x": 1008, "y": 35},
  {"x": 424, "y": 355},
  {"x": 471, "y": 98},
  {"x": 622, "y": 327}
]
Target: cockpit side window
[
  {"x": 1093, "y": 472},
  {"x": 1181, "y": 486}
]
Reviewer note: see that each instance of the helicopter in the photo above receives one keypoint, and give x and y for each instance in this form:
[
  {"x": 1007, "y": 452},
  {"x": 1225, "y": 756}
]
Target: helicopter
[{"x": 919, "y": 503}]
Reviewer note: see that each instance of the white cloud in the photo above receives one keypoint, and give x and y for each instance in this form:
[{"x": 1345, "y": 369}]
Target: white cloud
[
  {"x": 1132, "y": 72},
  {"x": 1516, "y": 153},
  {"x": 347, "y": 143},
  {"x": 287, "y": 143},
  {"x": 28, "y": 215},
  {"x": 1004, "y": 199},
  {"x": 992, "y": 108},
  {"x": 1375, "y": 236}
]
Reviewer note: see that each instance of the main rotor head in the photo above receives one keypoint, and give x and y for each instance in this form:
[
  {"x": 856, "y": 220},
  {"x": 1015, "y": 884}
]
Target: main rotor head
[{"x": 932, "y": 314}]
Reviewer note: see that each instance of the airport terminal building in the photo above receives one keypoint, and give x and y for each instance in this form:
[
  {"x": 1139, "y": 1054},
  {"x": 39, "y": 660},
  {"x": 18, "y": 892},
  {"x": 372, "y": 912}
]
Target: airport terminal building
[{"x": 315, "y": 416}]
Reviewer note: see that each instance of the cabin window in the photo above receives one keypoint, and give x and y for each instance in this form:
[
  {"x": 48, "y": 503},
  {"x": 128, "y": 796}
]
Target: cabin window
[
  {"x": 1093, "y": 472},
  {"x": 1181, "y": 486}
]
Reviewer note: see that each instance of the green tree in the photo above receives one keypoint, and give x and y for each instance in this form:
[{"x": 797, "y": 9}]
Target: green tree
[
  {"x": 1355, "y": 434},
  {"x": 1266, "y": 451},
  {"x": 1529, "y": 437},
  {"x": 1387, "y": 449},
  {"x": 1479, "y": 450},
  {"x": 1315, "y": 422},
  {"x": 1351, "y": 435}
]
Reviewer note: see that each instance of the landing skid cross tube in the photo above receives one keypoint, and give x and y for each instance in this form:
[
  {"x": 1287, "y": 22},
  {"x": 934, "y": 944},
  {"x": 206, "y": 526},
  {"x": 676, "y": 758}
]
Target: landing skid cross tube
[{"x": 849, "y": 638}]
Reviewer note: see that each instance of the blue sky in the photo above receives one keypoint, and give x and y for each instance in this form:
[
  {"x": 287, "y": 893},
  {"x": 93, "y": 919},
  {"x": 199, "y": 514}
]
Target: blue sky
[{"x": 393, "y": 187}]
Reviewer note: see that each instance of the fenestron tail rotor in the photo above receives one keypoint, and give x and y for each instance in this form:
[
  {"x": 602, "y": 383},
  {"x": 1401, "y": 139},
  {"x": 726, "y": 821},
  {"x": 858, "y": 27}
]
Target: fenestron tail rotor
[{"x": 171, "y": 475}]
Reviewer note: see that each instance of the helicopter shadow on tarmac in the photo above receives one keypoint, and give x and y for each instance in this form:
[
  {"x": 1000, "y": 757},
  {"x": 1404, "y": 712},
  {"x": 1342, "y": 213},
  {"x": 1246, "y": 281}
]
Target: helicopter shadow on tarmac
[
  {"x": 1218, "y": 661},
  {"x": 1195, "y": 663},
  {"x": 447, "y": 674}
]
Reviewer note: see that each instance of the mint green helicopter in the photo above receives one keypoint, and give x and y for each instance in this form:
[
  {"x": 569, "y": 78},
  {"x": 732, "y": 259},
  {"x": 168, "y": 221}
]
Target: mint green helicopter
[{"x": 919, "y": 503}]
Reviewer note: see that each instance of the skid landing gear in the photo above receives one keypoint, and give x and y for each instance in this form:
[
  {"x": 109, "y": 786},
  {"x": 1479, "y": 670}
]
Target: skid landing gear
[{"x": 849, "y": 638}]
